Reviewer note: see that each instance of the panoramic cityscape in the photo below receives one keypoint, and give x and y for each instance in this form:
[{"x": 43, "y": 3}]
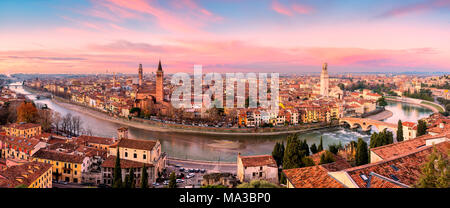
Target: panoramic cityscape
[{"x": 213, "y": 94}]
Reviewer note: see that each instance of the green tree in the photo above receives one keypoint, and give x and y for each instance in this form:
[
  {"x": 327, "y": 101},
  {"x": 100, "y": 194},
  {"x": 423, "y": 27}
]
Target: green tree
[
  {"x": 307, "y": 161},
  {"x": 362, "y": 153},
  {"x": 144, "y": 177},
  {"x": 399, "y": 131},
  {"x": 326, "y": 157},
  {"x": 334, "y": 148},
  {"x": 304, "y": 147},
  {"x": 435, "y": 172},
  {"x": 172, "y": 180},
  {"x": 320, "y": 147},
  {"x": 117, "y": 181},
  {"x": 292, "y": 156},
  {"x": 258, "y": 184},
  {"x": 382, "y": 102},
  {"x": 421, "y": 128},
  {"x": 278, "y": 153},
  {"x": 381, "y": 139},
  {"x": 313, "y": 148}
]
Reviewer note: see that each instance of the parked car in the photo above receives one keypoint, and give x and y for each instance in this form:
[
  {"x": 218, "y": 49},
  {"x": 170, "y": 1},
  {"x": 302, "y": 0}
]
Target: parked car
[
  {"x": 166, "y": 182},
  {"x": 203, "y": 171},
  {"x": 197, "y": 170},
  {"x": 181, "y": 169},
  {"x": 155, "y": 184}
]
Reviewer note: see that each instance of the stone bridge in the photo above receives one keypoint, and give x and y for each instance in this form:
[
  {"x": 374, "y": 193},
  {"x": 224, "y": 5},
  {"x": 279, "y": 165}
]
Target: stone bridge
[{"x": 366, "y": 124}]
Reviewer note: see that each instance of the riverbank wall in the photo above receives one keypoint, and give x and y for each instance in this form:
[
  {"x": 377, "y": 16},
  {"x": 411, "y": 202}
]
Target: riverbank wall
[
  {"x": 179, "y": 128},
  {"x": 433, "y": 106}
]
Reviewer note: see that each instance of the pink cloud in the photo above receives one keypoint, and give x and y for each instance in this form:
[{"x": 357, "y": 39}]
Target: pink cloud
[
  {"x": 281, "y": 9},
  {"x": 290, "y": 10},
  {"x": 416, "y": 8}
]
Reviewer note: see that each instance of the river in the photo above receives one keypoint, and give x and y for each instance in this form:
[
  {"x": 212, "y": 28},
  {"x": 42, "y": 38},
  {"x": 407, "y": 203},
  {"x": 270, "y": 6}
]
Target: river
[{"x": 226, "y": 148}]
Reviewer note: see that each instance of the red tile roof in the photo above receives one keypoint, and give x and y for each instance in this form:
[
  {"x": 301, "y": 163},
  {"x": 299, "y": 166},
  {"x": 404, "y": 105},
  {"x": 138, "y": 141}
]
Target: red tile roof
[
  {"x": 258, "y": 160},
  {"x": 311, "y": 177},
  {"x": 135, "y": 144},
  {"x": 58, "y": 156},
  {"x": 22, "y": 174},
  {"x": 92, "y": 139},
  {"x": 406, "y": 168},
  {"x": 22, "y": 126},
  {"x": 395, "y": 149}
]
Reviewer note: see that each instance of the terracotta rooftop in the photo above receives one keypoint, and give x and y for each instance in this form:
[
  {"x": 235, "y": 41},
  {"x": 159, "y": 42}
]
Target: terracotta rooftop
[
  {"x": 58, "y": 156},
  {"x": 379, "y": 181},
  {"x": 110, "y": 162},
  {"x": 258, "y": 160},
  {"x": 311, "y": 177},
  {"x": 395, "y": 149},
  {"x": 404, "y": 169},
  {"x": 135, "y": 144},
  {"x": 93, "y": 139},
  {"x": 22, "y": 126},
  {"x": 408, "y": 124},
  {"x": 21, "y": 143},
  {"x": 439, "y": 130},
  {"x": 22, "y": 174}
]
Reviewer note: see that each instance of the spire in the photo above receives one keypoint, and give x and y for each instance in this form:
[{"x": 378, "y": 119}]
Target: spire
[
  {"x": 324, "y": 66},
  {"x": 159, "y": 66},
  {"x": 140, "y": 66}
]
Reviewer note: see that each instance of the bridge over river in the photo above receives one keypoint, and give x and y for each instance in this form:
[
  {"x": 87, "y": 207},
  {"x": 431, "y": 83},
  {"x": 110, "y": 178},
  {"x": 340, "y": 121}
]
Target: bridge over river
[{"x": 367, "y": 123}]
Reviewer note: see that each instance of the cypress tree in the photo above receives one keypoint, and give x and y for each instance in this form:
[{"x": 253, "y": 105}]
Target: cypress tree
[
  {"x": 292, "y": 158},
  {"x": 117, "y": 181},
  {"x": 399, "y": 131},
  {"x": 421, "y": 128},
  {"x": 313, "y": 148},
  {"x": 277, "y": 154},
  {"x": 320, "y": 147},
  {"x": 362, "y": 153},
  {"x": 144, "y": 177}
]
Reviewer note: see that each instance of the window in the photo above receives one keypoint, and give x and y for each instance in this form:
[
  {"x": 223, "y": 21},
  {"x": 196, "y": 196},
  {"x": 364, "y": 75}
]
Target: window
[
  {"x": 394, "y": 167},
  {"x": 364, "y": 177},
  {"x": 126, "y": 154},
  {"x": 135, "y": 155},
  {"x": 144, "y": 156},
  {"x": 394, "y": 177}
]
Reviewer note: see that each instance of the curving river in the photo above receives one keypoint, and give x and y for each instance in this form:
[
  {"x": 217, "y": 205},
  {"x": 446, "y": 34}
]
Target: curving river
[{"x": 226, "y": 148}]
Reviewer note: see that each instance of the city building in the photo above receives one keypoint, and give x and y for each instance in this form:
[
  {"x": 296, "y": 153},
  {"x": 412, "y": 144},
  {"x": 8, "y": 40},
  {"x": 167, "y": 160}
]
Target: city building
[
  {"x": 28, "y": 175},
  {"x": 324, "y": 81},
  {"x": 135, "y": 153},
  {"x": 65, "y": 166},
  {"x": 259, "y": 167},
  {"x": 24, "y": 130}
]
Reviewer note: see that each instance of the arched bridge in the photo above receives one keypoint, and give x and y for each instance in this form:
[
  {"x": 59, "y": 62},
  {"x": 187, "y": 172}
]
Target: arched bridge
[{"x": 367, "y": 123}]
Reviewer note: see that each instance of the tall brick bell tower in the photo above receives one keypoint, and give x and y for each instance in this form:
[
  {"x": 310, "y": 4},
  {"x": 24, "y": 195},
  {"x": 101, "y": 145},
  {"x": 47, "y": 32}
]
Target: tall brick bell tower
[{"x": 159, "y": 84}]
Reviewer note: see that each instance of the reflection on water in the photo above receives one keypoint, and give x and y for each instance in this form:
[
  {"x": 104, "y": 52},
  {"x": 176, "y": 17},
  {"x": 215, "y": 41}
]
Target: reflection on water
[
  {"x": 226, "y": 148},
  {"x": 406, "y": 112}
]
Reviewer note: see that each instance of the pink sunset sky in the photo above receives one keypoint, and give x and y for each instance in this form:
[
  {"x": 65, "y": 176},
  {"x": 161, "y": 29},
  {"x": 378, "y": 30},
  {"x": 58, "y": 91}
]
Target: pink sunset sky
[{"x": 92, "y": 36}]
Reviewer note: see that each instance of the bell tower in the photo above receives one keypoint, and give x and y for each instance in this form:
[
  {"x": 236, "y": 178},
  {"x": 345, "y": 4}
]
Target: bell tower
[
  {"x": 159, "y": 84},
  {"x": 141, "y": 75}
]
